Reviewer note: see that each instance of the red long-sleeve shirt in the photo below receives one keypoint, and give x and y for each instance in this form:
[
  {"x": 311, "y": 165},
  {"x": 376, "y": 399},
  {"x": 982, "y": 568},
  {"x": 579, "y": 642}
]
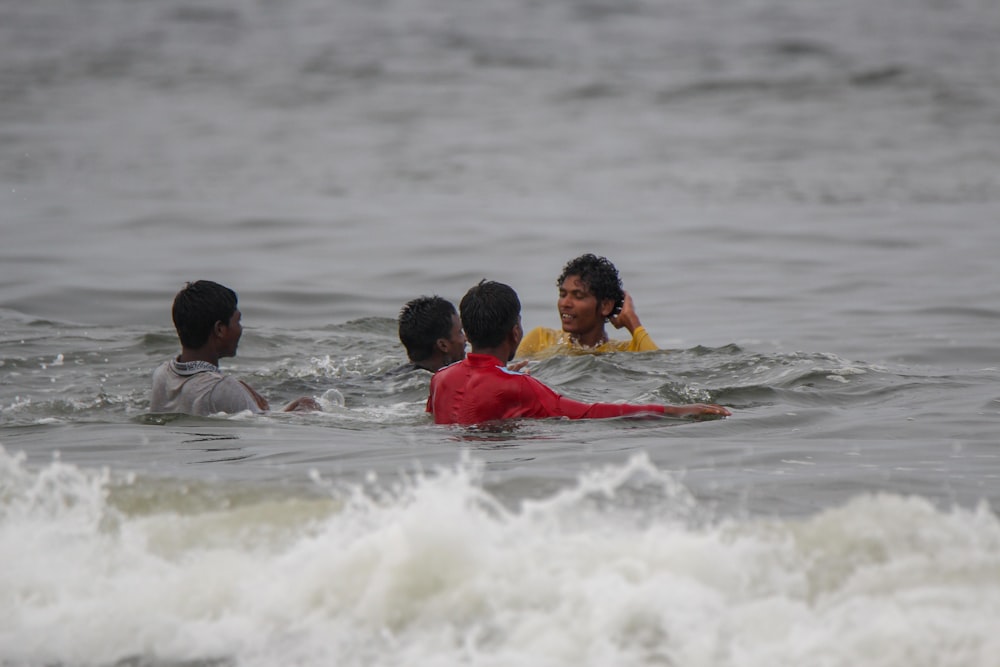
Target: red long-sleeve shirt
[{"x": 480, "y": 389}]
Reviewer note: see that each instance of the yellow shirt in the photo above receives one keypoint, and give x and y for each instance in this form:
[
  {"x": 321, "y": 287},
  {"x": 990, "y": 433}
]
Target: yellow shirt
[{"x": 543, "y": 342}]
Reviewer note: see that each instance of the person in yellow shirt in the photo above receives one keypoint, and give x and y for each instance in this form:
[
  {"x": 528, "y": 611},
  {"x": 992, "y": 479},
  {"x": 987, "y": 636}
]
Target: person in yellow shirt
[{"x": 590, "y": 294}]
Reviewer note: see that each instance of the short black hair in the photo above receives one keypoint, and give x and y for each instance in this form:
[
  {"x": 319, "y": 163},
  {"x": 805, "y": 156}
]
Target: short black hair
[
  {"x": 198, "y": 307},
  {"x": 599, "y": 275},
  {"x": 489, "y": 311},
  {"x": 422, "y": 322}
]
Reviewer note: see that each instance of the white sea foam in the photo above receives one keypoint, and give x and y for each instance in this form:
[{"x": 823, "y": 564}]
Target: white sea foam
[{"x": 433, "y": 569}]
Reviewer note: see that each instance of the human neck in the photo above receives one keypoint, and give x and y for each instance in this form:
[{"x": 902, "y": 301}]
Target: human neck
[
  {"x": 432, "y": 365},
  {"x": 590, "y": 339},
  {"x": 502, "y": 353},
  {"x": 206, "y": 354}
]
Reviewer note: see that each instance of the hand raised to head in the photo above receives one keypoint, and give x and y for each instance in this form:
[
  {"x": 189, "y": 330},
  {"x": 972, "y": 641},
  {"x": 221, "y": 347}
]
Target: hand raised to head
[{"x": 626, "y": 317}]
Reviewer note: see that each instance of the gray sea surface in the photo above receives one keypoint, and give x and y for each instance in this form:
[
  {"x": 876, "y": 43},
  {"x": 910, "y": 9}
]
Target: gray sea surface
[{"x": 803, "y": 200}]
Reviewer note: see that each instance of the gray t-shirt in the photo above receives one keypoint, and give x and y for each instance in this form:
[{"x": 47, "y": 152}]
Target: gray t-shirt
[{"x": 197, "y": 388}]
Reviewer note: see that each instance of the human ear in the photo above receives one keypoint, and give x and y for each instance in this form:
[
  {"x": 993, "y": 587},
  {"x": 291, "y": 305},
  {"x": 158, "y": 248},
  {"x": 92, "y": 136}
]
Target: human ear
[{"x": 607, "y": 307}]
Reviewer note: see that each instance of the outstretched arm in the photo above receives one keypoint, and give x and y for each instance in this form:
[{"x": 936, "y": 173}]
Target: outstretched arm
[
  {"x": 304, "y": 404},
  {"x": 540, "y": 400}
]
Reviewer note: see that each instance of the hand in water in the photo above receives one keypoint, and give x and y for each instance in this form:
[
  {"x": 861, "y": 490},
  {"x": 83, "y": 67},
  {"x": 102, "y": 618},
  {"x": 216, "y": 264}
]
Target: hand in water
[
  {"x": 304, "y": 404},
  {"x": 698, "y": 411}
]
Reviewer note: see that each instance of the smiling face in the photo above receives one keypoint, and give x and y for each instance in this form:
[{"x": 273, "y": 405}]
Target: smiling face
[{"x": 581, "y": 314}]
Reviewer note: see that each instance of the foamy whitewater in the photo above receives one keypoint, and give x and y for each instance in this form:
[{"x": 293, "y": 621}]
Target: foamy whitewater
[
  {"x": 435, "y": 570},
  {"x": 802, "y": 199}
]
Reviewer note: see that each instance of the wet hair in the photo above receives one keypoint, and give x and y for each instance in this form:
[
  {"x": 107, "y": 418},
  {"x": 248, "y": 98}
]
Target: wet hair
[
  {"x": 489, "y": 311},
  {"x": 599, "y": 275},
  {"x": 198, "y": 307},
  {"x": 422, "y": 322}
]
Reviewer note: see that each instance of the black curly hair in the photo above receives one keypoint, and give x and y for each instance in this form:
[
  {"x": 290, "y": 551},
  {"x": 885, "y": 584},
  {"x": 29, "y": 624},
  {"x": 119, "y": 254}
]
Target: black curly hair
[{"x": 599, "y": 275}]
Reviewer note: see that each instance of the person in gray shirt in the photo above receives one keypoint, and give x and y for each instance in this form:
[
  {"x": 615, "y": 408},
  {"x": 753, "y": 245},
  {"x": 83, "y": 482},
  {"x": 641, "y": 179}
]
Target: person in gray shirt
[{"x": 209, "y": 327}]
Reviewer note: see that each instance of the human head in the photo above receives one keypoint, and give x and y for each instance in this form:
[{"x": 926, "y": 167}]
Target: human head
[
  {"x": 599, "y": 275},
  {"x": 490, "y": 311},
  {"x": 430, "y": 330},
  {"x": 198, "y": 307}
]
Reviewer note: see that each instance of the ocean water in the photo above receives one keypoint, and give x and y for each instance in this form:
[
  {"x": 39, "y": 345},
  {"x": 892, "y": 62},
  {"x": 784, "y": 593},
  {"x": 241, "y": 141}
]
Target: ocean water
[{"x": 802, "y": 198}]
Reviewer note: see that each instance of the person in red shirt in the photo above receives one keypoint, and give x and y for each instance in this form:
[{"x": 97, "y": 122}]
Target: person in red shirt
[{"x": 481, "y": 388}]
